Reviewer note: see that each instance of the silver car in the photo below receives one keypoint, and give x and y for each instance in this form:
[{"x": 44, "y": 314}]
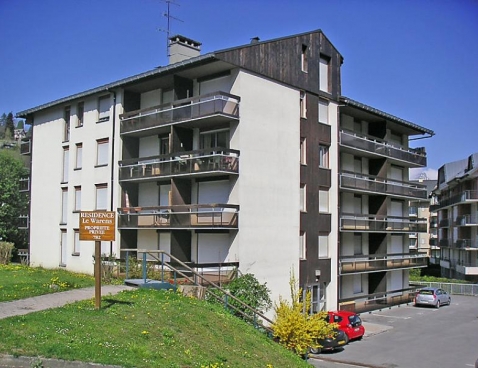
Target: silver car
[{"x": 432, "y": 296}]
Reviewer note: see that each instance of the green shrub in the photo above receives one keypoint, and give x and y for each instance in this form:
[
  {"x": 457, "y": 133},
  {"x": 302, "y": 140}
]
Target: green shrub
[
  {"x": 6, "y": 249},
  {"x": 294, "y": 327}
]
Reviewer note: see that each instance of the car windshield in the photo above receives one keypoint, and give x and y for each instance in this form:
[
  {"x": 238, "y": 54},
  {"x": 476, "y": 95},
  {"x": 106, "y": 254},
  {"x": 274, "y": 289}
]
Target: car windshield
[{"x": 426, "y": 292}]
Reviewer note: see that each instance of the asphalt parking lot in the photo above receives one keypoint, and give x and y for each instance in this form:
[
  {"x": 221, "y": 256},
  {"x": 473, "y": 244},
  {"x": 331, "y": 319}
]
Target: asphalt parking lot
[{"x": 413, "y": 337}]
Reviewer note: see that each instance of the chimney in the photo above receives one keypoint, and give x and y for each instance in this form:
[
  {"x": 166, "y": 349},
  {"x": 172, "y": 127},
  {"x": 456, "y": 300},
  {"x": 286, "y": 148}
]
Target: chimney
[
  {"x": 255, "y": 39},
  {"x": 182, "y": 48}
]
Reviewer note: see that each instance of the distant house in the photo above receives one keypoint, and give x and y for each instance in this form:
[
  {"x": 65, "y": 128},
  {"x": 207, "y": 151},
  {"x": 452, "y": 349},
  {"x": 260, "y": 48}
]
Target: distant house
[
  {"x": 248, "y": 156},
  {"x": 19, "y": 133}
]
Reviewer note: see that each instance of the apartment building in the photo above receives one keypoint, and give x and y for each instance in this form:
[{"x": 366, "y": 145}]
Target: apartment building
[
  {"x": 242, "y": 156},
  {"x": 456, "y": 199}
]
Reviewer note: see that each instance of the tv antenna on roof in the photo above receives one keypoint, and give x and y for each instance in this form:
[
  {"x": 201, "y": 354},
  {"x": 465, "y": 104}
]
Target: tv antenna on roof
[{"x": 168, "y": 15}]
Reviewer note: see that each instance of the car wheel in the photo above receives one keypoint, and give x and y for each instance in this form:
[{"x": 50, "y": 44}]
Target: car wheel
[
  {"x": 315, "y": 350},
  {"x": 449, "y": 301},
  {"x": 438, "y": 304},
  {"x": 346, "y": 338}
]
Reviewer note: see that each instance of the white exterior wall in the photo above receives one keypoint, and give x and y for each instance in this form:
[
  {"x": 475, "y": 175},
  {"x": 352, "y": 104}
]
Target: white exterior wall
[
  {"x": 46, "y": 176},
  {"x": 267, "y": 189}
]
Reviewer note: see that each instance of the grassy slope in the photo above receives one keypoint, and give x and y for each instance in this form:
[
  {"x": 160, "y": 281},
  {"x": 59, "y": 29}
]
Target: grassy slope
[{"x": 143, "y": 328}]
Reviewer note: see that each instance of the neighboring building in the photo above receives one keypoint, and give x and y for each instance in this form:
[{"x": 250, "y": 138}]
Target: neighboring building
[
  {"x": 424, "y": 242},
  {"x": 244, "y": 156},
  {"x": 457, "y": 206}
]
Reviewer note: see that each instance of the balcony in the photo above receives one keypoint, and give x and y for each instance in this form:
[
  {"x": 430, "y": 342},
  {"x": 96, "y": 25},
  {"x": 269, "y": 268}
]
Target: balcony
[
  {"x": 467, "y": 269},
  {"x": 377, "y": 223},
  {"x": 212, "y": 161},
  {"x": 213, "y": 107},
  {"x": 191, "y": 216},
  {"x": 466, "y": 220},
  {"x": 26, "y": 147},
  {"x": 374, "y": 184},
  {"x": 381, "y": 262},
  {"x": 467, "y": 196},
  {"x": 370, "y": 302},
  {"x": 445, "y": 223},
  {"x": 444, "y": 243},
  {"x": 445, "y": 263},
  {"x": 414, "y": 157},
  {"x": 466, "y": 243},
  {"x": 24, "y": 222},
  {"x": 24, "y": 184}
]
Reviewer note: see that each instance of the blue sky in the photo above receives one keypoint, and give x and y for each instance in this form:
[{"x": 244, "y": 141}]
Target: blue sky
[{"x": 416, "y": 59}]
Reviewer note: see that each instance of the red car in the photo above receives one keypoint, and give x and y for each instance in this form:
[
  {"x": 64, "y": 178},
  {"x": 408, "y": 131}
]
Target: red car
[{"x": 349, "y": 322}]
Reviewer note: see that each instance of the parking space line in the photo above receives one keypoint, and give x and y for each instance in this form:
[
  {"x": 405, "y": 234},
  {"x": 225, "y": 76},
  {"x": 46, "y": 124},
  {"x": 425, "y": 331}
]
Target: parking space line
[{"x": 382, "y": 315}]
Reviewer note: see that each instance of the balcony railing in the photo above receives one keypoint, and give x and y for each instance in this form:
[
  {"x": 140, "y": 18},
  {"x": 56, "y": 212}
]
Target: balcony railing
[
  {"x": 466, "y": 243},
  {"x": 191, "y": 216},
  {"x": 377, "y": 223},
  {"x": 218, "y": 159},
  {"x": 24, "y": 184},
  {"x": 465, "y": 196},
  {"x": 415, "y": 156},
  {"x": 26, "y": 147},
  {"x": 466, "y": 220},
  {"x": 374, "y": 301},
  {"x": 24, "y": 222},
  {"x": 375, "y": 184},
  {"x": 381, "y": 262},
  {"x": 212, "y": 104}
]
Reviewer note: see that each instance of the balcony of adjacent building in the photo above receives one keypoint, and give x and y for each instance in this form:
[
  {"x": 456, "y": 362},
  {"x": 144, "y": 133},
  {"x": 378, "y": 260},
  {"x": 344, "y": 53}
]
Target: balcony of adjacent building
[
  {"x": 467, "y": 196},
  {"x": 364, "y": 183},
  {"x": 373, "y": 147},
  {"x": 24, "y": 184},
  {"x": 201, "y": 111},
  {"x": 466, "y": 244},
  {"x": 188, "y": 216},
  {"x": 467, "y": 268},
  {"x": 24, "y": 222},
  {"x": 205, "y": 162},
  {"x": 379, "y": 223},
  {"x": 466, "y": 220},
  {"x": 381, "y": 262},
  {"x": 26, "y": 146}
]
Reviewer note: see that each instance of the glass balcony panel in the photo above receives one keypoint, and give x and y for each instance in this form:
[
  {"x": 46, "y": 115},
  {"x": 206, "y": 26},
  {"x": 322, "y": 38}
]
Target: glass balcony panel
[
  {"x": 216, "y": 159},
  {"x": 375, "y": 184},
  {"x": 24, "y": 184},
  {"x": 26, "y": 147},
  {"x": 370, "y": 302},
  {"x": 414, "y": 156},
  {"x": 466, "y": 196},
  {"x": 179, "y": 217},
  {"x": 376, "y": 223},
  {"x": 380, "y": 262},
  {"x": 217, "y": 103}
]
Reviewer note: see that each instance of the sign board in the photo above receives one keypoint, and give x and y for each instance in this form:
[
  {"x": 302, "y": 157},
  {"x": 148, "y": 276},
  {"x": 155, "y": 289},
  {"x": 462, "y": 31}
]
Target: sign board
[{"x": 97, "y": 225}]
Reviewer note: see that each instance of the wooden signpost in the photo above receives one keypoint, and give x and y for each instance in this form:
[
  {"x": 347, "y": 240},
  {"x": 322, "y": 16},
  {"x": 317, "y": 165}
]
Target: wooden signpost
[{"x": 98, "y": 226}]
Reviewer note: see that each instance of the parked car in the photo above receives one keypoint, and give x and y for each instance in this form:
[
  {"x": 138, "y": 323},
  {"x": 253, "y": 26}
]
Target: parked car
[
  {"x": 331, "y": 343},
  {"x": 349, "y": 322},
  {"x": 432, "y": 296}
]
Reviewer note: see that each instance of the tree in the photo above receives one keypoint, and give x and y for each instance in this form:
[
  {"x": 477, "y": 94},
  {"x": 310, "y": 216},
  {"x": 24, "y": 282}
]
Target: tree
[
  {"x": 294, "y": 327},
  {"x": 13, "y": 203},
  {"x": 9, "y": 126}
]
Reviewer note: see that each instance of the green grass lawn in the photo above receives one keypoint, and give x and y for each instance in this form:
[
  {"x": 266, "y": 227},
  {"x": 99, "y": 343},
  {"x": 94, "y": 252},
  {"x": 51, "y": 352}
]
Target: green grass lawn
[
  {"x": 18, "y": 281},
  {"x": 142, "y": 328}
]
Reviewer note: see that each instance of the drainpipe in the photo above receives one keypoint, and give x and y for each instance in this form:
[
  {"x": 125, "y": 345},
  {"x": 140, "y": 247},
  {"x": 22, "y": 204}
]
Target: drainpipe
[{"x": 112, "y": 159}]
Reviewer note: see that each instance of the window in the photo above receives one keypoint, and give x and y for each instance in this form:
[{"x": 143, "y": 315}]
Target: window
[
  {"x": 66, "y": 118},
  {"x": 79, "y": 154},
  {"x": 103, "y": 109},
  {"x": 102, "y": 150},
  {"x": 66, "y": 159},
  {"x": 78, "y": 198},
  {"x": 323, "y": 112},
  {"x": 303, "y": 151},
  {"x": 324, "y": 156},
  {"x": 303, "y": 104},
  {"x": 64, "y": 205},
  {"x": 302, "y": 246},
  {"x": 63, "y": 247},
  {"x": 324, "y": 75},
  {"x": 303, "y": 207},
  {"x": 101, "y": 196},
  {"x": 211, "y": 139},
  {"x": 76, "y": 243},
  {"x": 304, "y": 58},
  {"x": 324, "y": 201},
  {"x": 358, "y": 244},
  {"x": 357, "y": 284},
  {"x": 80, "y": 110},
  {"x": 323, "y": 243}
]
